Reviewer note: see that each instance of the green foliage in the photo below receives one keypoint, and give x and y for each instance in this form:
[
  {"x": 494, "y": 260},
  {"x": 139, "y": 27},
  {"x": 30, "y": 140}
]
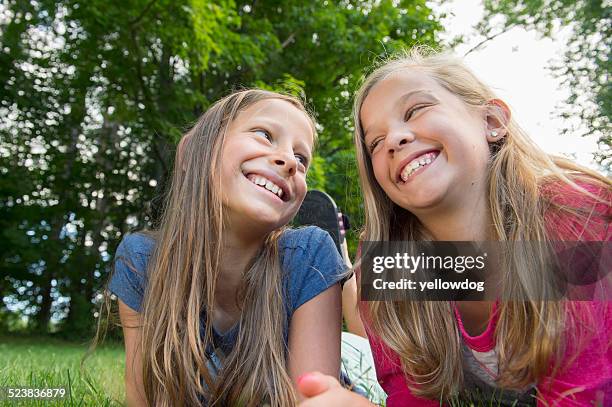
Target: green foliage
[
  {"x": 585, "y": 68},
  {"x": 95, "y": 94},
  {"x": 315, "y": 178}
]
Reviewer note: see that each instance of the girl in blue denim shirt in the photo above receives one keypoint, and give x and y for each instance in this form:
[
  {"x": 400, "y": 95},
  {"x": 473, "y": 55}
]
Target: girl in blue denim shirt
[{"x": 224, "y": 305}]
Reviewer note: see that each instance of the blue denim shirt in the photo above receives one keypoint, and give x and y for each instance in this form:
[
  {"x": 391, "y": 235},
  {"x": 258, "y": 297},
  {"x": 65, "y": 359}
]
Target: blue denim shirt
[{"x": 309, "y": 260}]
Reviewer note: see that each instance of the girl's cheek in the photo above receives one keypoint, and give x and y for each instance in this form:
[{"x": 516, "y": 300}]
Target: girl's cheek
[
  {"x": 301, "y": 187},
  {"x": 378, "y": 165}
]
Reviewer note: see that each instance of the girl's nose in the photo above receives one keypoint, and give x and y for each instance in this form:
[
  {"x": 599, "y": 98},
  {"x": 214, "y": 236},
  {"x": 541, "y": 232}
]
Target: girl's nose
[
  {"x": 398, "y": 140},
  {"x": 286, "y": 162}
]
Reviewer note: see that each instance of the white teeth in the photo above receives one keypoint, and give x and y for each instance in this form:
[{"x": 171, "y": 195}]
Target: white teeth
[
  {"x": 267, "y": 184},
  {"x": 416, "y": 163}
]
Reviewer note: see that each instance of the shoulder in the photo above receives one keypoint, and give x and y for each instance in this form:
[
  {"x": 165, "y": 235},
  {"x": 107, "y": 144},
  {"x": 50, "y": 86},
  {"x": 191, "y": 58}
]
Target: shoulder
[
  {"x": 588, "y": 192},
  {"x": 136, "y": 243},
  {"x": 310, "y": 261},
  {"x": 304, "y": 238},
  {"x": 129, "y": 277},
  {"x": 309, "y": 248},
  {"x": 578, "y": 212}
]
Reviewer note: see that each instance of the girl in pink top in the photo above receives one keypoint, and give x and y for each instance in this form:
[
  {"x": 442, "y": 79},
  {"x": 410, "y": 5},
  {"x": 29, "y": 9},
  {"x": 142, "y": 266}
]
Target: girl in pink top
[{"x": 440, "y": 158}]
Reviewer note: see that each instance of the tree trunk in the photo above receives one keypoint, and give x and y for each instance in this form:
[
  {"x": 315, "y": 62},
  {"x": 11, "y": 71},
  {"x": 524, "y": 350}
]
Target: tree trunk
[{"x": 52, "y": 262}]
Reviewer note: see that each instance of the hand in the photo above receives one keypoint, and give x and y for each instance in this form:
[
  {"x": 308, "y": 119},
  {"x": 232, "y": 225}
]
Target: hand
[{"x": 324, "y": 391}]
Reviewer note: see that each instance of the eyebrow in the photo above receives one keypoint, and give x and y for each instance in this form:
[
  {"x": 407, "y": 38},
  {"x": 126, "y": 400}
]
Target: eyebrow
[
  {"x": 402, "y": 100},
  {"x": 271, "y": 124},
  {"x": 410, "y": 94},
  {"x": 276, "y": 127}
]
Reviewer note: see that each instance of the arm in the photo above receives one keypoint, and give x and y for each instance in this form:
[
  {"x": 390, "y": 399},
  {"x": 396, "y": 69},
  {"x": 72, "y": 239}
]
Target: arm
[
  {"x": 350, "y": 300},
  {"x": 349, "y": 308},
  {"x": 585, "y": 374},
  {"x": 321, "y": 390},
  {"x": 314, "y": 335},
  {"x": 134, "y": 388}
]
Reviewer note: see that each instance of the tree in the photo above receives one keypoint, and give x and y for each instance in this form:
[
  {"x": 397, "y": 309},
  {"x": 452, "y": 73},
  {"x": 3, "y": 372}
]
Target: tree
[
  {"x": 586, "y": 65},
  {"x": 95, "y": 94}
]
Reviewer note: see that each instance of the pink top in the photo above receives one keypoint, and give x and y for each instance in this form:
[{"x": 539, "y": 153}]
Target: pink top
[{"x": 585, "y": 377}]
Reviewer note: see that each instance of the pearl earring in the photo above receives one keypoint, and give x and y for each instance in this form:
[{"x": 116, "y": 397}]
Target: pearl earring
[{"x": 494, "y": 133}]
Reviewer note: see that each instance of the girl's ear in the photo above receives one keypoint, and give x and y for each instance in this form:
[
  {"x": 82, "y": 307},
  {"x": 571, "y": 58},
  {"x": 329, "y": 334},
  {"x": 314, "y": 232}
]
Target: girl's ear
[{"x": 497, "y": 118}]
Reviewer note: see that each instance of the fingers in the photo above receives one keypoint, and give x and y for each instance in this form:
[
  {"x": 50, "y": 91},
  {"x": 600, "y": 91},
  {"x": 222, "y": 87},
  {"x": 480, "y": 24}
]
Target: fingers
[
  {"x": 315, "y": 383},
  {"x": 324, "y": 391}
]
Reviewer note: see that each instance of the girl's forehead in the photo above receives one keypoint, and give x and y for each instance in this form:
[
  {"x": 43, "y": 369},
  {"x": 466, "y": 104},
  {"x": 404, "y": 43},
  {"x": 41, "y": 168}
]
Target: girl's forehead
[
  {"x": 403, "y": 80},
  {"x": 278, "y": 114},
  {"x": 396, "y": 88},
  {"x": 276, "y": 109}
]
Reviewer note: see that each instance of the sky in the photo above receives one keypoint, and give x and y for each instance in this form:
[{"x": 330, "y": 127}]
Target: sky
[{"x": 516, "y": 64}]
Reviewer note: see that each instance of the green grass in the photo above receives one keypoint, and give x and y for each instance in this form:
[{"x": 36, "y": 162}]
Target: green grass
[{"x": 42, "y": 362}]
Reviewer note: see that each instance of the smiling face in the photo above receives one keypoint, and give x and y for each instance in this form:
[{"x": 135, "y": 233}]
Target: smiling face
[
  {"x": 264, "y": 161},
  {"x": 428, "y": 149}
]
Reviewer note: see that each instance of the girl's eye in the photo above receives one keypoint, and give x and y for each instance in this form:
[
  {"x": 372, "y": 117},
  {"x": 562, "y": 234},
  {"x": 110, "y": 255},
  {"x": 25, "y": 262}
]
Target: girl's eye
[
  {"x": 302, "y": 161},
  {"x": 412, "y": 111},
  {"x": 374, "y": 143},
  {"x": 264, "y": 133}
]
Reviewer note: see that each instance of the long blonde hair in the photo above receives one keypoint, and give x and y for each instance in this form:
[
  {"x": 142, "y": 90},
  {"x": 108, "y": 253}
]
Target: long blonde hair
[
  {"x": 424, "y": 334},
  {"x": 183, "y": 275}
]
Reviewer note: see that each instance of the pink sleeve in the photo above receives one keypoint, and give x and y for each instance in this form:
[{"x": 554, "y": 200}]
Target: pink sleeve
[
  {"x": 391, "y": 376},
  {"x": 585, "y": 376}
]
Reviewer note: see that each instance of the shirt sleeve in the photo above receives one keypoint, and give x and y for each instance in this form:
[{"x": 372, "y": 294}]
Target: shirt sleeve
[
  {"x": 391, "y": 376},
  {"x": 316, "y": 266},
  {"x": 584, "y": 376},
  {"x": 128, "y": 278}
]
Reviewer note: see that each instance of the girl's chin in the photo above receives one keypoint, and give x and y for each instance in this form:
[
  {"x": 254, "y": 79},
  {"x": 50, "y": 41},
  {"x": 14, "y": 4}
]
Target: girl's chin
[
  {"x": 265, "y": 219},
  {"x": 420, "y": 202}
]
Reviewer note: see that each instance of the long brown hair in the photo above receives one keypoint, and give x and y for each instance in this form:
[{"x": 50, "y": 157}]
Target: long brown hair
[
  {"x": 424, "y": 334},
  {"x": 183, "y": 275}
]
